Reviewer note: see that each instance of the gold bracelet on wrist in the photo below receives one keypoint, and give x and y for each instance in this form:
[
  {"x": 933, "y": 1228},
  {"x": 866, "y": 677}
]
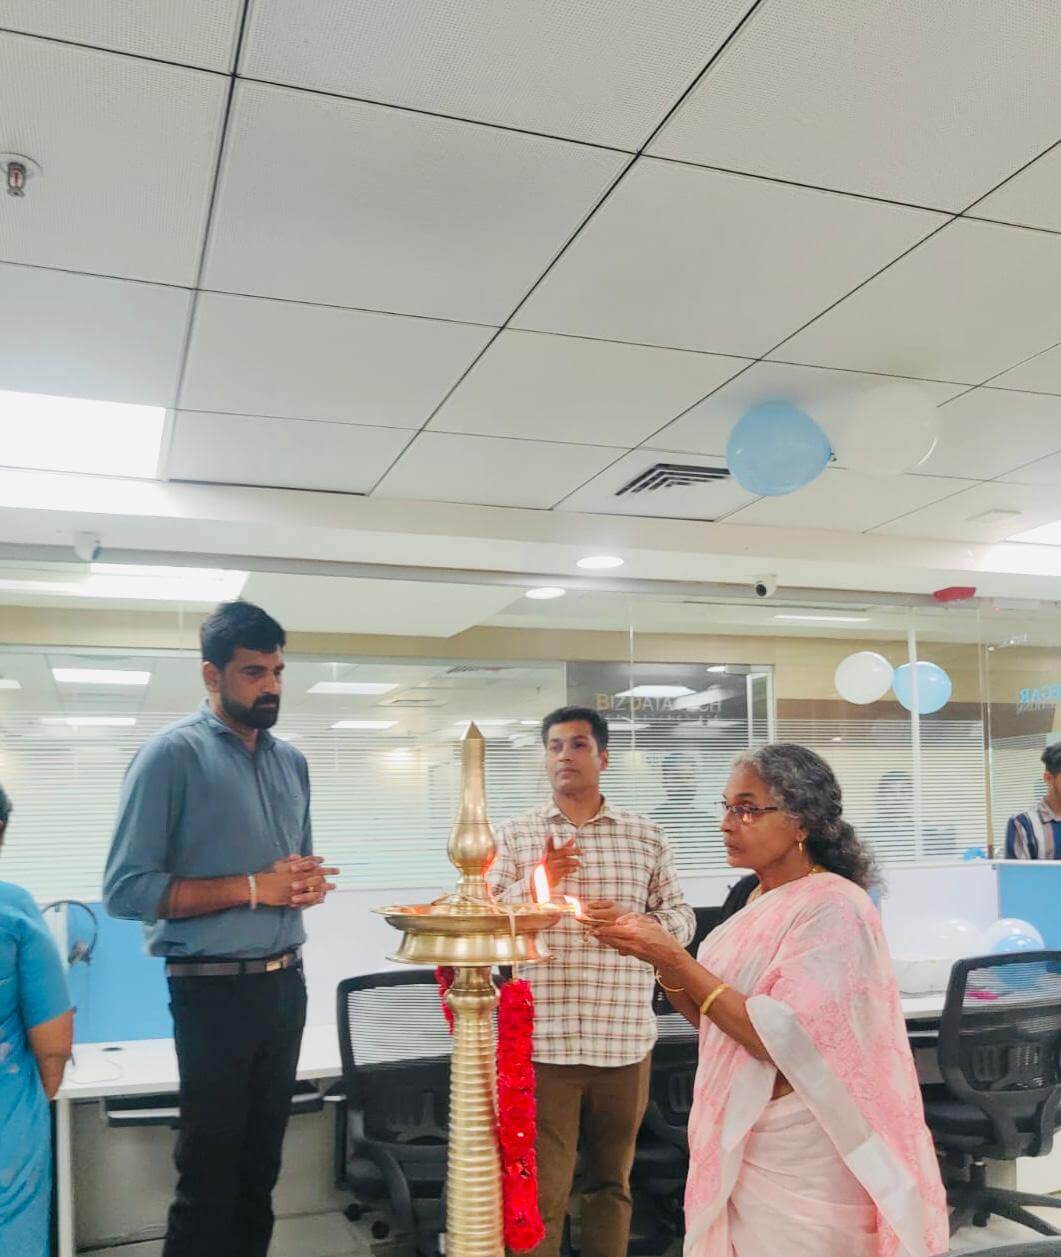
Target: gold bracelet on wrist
[
  {"x": 673, "y": 990},
  {"x": 709, "y": 999}
]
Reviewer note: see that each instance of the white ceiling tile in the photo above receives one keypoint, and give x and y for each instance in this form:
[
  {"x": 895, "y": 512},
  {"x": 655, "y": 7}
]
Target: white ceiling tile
[
  {"x": 952, "y": 519},
  {"x": 1033, "y": 197},
  {"x": 604, "y": 71},
  {"x": 193, "y": 32},
  {"x": 710, "y": 500},
  {"x": 823, "y": 394},
  {"x": 562, "y": 388},
  {"x": 322, "y": 604},
  {"x": 1042, "y": 471},
  {"x": 349, "y": 204},
  {"x": 492, "y": 471},
  {"x": 281, "y": 453},
  {"x": 847, "y": 501},
  {"x": 83, "y": 336},
  {"x": 128, "y": 149},
  {"x": 990, "y": 431},
  {"x": 968, "y": 303},
  {"x": 256, "y": 357},
  {"x": 1041, "y": 374},
  {"x": 694, "y": 259},
  {"x": 911, "y": 100}
]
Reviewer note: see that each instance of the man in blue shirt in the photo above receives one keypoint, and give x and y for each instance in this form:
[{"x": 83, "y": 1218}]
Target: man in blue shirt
[
  {"x": 1036, "y": 833},
  {"x": 213, "y": 852}
]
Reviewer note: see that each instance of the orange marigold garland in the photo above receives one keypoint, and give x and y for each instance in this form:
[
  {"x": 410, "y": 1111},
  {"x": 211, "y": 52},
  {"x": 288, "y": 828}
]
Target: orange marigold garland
[{"x": 517, "y": 1111}]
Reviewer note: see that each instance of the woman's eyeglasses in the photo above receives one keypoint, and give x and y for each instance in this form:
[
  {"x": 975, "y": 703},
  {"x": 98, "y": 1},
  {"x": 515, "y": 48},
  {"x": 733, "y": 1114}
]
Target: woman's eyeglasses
[{"x": 746, "y": 813}]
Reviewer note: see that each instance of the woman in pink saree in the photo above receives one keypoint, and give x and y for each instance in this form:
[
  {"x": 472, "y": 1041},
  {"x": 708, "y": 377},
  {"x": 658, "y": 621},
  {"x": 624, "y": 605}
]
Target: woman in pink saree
[{"x": 807, "y": 1135}]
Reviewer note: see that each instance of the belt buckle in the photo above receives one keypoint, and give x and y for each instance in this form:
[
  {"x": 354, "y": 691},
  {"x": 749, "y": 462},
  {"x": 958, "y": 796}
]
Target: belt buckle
[{"x": 272, "y": 965}]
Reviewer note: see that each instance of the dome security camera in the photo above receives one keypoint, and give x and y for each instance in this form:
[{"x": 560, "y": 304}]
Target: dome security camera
[
  {"x": 765, "y": 586},
  {"x": 87, "y": 546}
]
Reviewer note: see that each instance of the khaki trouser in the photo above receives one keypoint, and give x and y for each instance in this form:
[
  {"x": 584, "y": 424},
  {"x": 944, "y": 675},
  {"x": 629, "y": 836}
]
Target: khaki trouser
[{"x": 606, "y": 1106}]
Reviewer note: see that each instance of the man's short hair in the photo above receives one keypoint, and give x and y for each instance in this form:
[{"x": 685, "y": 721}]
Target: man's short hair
[
  {"x": 5, "y": 806},
  {"x": 236, "y": 624},
  {"x": 1051, "y": 758},
  {"x": 566, "y": 715}
]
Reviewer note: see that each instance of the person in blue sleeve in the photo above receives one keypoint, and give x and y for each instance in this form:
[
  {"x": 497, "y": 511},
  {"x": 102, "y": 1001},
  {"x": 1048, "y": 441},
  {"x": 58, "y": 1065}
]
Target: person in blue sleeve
[
  {"x": 213, "y": 852},
  {"x": 36, "y": 1030}
]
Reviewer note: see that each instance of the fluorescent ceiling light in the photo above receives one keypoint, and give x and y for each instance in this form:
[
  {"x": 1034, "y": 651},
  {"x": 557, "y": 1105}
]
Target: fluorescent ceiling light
[
  {"x": 716, "y": 667},
  {"x": 148, "y": 584},
  {"x": 545, "y": 593},
  {"x": 100, "y": 676},
  {"x": 9, "y": 683},
  {"x": 76, "y": 722},
  {"x": 535, "y": 723},
  {"x": 600, "y": 562},
  {"x": 364, "y": 724},
  {"x": 72, "y": 434},
  {"x": 1044, "y": 535},
  {"x": 352, "y": 687},
  {"x": 656, "y": 691},
  {"x": 827, "y": 619}
]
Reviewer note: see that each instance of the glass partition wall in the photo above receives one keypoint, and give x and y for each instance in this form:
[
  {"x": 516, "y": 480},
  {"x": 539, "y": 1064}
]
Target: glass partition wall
[{"x": 684, "y": 683}]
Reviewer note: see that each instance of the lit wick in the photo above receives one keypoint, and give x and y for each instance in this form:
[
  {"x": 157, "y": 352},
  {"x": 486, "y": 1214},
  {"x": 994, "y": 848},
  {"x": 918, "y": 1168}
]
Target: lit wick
[{"x": 543, "y": 893}]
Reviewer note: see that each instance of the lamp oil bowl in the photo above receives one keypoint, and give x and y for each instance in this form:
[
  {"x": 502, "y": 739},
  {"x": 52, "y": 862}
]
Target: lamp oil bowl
[{"x": 470, "y": 932}]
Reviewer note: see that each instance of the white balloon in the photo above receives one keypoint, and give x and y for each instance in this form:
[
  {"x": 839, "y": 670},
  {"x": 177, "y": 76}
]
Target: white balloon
[
  {"x": 1008, "y": 926},
  {"x": 887, "y": 430},
  {"x": 956, "y": 938},
  {"x": 864, "y": 677}
]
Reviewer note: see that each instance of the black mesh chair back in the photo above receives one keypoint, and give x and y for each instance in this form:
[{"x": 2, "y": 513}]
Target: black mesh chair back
[
  {"x": 395, "y": 1048},
  {"x": 1000, "y": 1047}
]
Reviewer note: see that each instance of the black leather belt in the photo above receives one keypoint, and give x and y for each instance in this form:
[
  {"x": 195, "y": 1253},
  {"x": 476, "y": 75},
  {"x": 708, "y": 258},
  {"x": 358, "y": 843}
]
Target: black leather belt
[{"x": 232, "y": 968}]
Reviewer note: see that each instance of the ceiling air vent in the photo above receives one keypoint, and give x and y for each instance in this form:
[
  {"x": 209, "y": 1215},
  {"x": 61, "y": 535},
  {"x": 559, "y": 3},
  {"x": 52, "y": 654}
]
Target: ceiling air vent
[{"x": 667, "y": 475}]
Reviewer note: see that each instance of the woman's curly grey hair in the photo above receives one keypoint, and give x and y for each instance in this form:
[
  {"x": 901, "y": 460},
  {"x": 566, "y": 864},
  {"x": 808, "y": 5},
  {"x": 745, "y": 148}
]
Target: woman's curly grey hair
[{"x": 804, "y": 785}]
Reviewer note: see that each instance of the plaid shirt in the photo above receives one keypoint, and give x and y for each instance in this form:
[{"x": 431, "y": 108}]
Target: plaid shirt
[{"x": 593, "y": 1006}]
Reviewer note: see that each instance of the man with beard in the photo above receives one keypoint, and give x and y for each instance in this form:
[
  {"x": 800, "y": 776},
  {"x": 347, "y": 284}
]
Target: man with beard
[{"x": 213, "y": 852}]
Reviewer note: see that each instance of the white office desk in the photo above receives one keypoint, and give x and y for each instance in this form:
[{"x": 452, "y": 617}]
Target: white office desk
[
  {"x": 144, "y": 1067},
  {"x": 149, "y": 1066}
]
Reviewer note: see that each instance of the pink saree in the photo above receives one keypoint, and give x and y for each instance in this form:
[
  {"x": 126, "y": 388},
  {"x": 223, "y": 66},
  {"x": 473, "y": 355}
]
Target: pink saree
[{"x": 812, "y": 959}]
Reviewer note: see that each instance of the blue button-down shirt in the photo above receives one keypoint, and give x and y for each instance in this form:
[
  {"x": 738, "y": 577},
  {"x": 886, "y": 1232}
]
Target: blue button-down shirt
[{"x": 196, "y": 803}]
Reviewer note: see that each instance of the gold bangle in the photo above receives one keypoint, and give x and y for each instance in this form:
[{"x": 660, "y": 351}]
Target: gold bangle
[
  {"x": 705, "y": 1007},
  {"x": 672, "y": 989}
]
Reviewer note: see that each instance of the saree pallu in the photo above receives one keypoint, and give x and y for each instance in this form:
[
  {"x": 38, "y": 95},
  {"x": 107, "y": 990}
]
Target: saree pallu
[
  {"x": 794, "y": 1197},
  {"x": 812, "y": 960}
]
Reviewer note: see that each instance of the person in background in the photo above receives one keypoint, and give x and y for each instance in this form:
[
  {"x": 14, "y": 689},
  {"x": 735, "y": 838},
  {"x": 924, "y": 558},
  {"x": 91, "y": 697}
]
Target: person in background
[
  {"x": 1036, "y": 833},
  {"x": 36, "y": 1033},
  {"x": 213, "y": 852},
  {"x": 807, "y": 1134},
  {"x": 594, "y": 1026},
  {"x": 678, "y": 777}
]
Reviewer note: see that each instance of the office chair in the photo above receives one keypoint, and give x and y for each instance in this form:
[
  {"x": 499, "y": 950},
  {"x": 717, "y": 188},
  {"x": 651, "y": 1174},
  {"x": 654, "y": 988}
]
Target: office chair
[
  {"x": 395, "y": 1049},
  {"x": 998, "y": 1052},
  {"x": 661, "y": 1157}
]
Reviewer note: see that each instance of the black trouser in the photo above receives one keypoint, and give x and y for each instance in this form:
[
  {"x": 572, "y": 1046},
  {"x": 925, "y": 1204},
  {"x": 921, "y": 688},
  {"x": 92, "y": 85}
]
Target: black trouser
[{"x": 237, "y": 1042}]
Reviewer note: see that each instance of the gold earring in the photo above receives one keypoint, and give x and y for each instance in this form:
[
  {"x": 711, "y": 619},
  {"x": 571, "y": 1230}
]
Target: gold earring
[{"x": 800, "y": 845}]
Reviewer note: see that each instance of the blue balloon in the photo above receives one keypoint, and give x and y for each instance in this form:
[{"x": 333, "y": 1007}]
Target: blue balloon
[
  {"x": 775, "y": 448},
  {"x": 933, "y": 687},
  {"x": 1019, "y": 977},
  {"x": 1015, "y": 943},
  {"x": 974, "y": 853}
]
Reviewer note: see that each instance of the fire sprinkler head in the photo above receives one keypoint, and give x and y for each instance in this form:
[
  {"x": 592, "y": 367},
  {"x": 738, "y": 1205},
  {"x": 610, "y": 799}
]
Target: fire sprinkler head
[{"x": 17, "y": 171}]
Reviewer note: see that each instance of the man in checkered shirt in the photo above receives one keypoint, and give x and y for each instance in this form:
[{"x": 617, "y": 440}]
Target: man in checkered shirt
[{"x": 594, "y": 1026}]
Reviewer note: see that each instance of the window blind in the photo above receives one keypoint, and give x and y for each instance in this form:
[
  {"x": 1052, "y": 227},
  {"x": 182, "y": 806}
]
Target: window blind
[{"x": 383, "y": 806}]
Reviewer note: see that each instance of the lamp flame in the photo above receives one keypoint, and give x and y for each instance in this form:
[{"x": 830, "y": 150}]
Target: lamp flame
[
  {"x": 574, "y": 904},
  {"x": 541, "y": 884}
]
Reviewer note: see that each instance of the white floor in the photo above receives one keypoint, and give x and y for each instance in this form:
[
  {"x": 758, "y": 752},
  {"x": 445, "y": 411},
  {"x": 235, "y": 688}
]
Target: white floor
[{"x": 330, "y": 1235}]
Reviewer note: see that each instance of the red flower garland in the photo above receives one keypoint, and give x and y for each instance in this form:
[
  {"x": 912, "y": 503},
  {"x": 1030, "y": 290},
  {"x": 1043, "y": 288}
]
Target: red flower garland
[{"x": 517, "y": 1111}]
